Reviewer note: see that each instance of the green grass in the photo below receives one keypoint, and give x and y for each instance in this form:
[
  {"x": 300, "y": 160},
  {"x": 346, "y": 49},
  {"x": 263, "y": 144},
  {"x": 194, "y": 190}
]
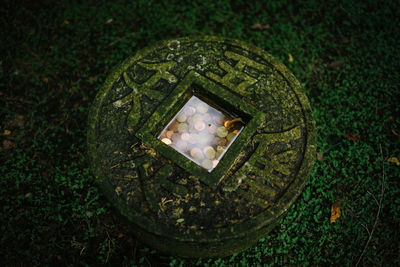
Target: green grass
[{"x": 56, "y": 54}]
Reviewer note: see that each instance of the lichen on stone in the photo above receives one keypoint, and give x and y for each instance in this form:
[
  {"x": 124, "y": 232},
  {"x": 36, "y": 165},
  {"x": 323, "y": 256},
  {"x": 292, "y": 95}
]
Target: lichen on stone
[{"x": 171, "y": 199}]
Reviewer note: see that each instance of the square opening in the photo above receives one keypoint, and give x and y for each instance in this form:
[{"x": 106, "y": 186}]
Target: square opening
[
  {"x": 202, "y": 132},
  {"x": 231, "y": 105}
]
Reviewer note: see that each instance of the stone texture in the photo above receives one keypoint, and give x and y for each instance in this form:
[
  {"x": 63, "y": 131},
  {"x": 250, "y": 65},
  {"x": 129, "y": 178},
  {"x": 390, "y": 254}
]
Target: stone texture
[{"x": 176, "y": 205}]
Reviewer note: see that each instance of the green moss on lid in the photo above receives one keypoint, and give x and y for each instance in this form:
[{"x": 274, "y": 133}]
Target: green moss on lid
[{"x": 170, "y": 198}]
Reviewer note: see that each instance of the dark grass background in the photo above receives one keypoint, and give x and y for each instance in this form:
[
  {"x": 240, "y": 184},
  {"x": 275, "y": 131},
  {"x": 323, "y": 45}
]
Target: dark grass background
[{"x": 56, "y": 54}]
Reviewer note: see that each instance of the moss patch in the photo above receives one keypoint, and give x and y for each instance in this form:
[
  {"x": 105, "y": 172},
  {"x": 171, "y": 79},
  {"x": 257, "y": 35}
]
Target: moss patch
[{"x": 168, "y": 196}]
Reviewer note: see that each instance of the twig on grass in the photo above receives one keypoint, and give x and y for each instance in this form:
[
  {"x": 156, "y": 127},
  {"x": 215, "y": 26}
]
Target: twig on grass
[
  {"x": 109, "y": 246},
  {"x": 379, "y": 208},
  {"x": 366, "y": 228},
  {"x": 372, "y": 195}
]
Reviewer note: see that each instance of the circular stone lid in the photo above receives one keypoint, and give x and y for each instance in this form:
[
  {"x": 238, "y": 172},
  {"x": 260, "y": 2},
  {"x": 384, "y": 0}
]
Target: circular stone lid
[{"x": 202, "y": 143}]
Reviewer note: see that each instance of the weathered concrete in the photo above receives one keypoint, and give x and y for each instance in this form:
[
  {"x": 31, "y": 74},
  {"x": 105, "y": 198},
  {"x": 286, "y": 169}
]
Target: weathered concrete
[{"x": 177, "y": 206}]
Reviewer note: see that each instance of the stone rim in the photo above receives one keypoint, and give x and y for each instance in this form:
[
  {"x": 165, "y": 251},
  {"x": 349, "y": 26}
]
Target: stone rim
[{"x": 253, "y": 225}]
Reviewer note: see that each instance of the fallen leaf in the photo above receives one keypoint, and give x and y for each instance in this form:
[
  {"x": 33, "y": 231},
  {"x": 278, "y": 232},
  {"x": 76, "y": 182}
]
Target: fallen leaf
[
  {"x": 345, "y": 41},
  {"x": 92, "y": 79},
  {"x": 45, "y": 174},
  {"x": 65, "y": 22},
  {"x": 19, "y": 121},
  {"x": 335, "y": 212},
  {"x": 259, "y": 27},
  {"x": 8, "y": 145},
  {"x": 45, "y": 79},
  {"x": 6, "y": 132},
  {"x": 394, "y": 160},
  {"x": 336, "y": 64},
  {"x": 320, "y": 156},
  {"x": 290, "y": 58},
  {"x": 118, "y": 190},
  {"x": 121, "y": 235},
  {"x": 352, "y": 136},
  {"x": 109, "y": 21}
]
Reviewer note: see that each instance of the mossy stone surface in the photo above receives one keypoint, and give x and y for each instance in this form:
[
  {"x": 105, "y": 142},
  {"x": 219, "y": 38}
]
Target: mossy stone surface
[{"x": 175, "y": 205}]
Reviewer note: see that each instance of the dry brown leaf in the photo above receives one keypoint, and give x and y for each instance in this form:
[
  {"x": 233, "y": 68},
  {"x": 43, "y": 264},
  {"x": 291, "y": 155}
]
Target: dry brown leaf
[
  {"x": 7, "y": 145},
  {"x": 335, "y": 212},
  {"x": 394, "y": 160},
  {"x": 45, "y": 174},
  {"x": 336, "y": 64},
  {"x": 19, "y": 121},
  {"x": 259, "y": 27},
  {"x": 45, "y": 79},
  {"x": 320, "y": 156},
  {"x": 65, "y": 22},
  {"x": 6, "y": 132},
  {"x": 352, "y": 136},
  {"x": 92, "y": 79},
  {"x": 290, "y": 58}
]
